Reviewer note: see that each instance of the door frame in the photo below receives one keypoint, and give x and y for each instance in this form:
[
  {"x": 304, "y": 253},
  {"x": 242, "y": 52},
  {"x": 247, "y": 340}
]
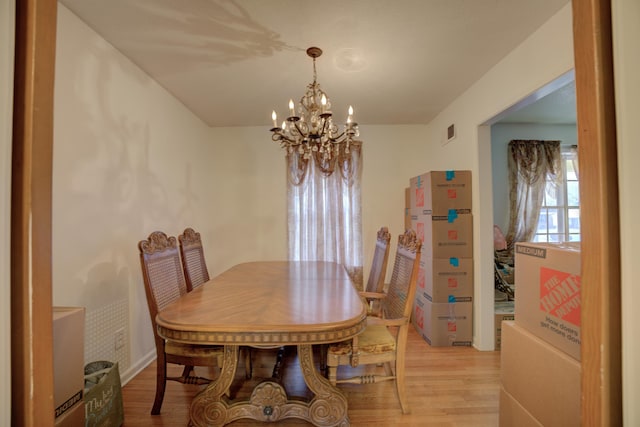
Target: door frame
[
  {"x": 31, "y": 168},
  {"x": 601, "y": 342},
  {"x": 31, "y": 301}
]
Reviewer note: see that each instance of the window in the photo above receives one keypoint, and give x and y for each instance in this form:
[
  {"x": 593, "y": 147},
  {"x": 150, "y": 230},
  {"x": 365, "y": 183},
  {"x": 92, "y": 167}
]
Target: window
[{"x": 559, "y": 219}]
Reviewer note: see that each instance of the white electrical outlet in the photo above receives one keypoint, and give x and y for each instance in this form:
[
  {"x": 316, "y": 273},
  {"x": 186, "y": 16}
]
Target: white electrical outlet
[{"x": 119, "y": 338}]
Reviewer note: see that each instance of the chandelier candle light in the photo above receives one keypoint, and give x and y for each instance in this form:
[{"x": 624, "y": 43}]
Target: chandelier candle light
[{"x": 313, "y": 130}]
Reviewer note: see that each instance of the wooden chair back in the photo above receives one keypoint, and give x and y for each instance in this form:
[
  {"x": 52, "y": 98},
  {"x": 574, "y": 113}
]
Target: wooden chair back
[
  {"x": 193, "y": 262},
  {"x": 164, "y": 283},
  {"x": 384, "y": 340},
  {"x": 404, "y": 278},
  {"x": 162, "y": 273},
  {"x": 377, "y": 275}
]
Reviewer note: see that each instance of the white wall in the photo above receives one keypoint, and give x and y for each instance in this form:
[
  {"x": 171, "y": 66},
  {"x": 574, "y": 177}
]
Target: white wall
[
  {"x": 7, "y": 26},
  {"x": 391, "y": 157},
  {"x": 626, "y": 33},
  {"x": 544, "y": 56},
  {"x": 501, "y": 135},
  {"x": 128, "y": 159}
]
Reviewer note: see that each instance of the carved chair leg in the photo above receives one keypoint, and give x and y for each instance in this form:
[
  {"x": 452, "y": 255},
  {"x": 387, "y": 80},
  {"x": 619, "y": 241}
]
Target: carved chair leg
[
  {"x": 387, "y": 369},
  {"x": 323, "y": 359},
  {"x": 187, "y": 371},
  {"x": 248, "y": 363},
  {"x": 277, "y": 367},
  {"x": 161, "y": 383},
  {"x": 402, "y": 395}
]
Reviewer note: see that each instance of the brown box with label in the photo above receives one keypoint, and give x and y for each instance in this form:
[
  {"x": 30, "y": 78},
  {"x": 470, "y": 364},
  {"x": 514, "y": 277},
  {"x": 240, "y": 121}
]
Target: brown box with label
[
  {"x": 541, "y": 378},
  {"x": 68, "y": 365},
  {"x": 503, "y": 310},
  {"x": 442, "y": 324},
  {"x": 438, "y": 192},
  {"x": 548, "y": 293},
  {"x": 407, "y": 208},
  {"x": 445, "y": 236},
  {"x": 438, "y": 278}
]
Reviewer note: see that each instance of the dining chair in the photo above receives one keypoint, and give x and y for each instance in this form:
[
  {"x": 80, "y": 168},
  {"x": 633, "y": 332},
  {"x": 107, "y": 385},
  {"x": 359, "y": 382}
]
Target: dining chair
[
  {"x": 378, "y": 272},
  {"x": 193, "y": 262},
  {"x": 384, "y": 339},
  {"x": 196, "y": 273},
  {"x": 164, "y": 283}
]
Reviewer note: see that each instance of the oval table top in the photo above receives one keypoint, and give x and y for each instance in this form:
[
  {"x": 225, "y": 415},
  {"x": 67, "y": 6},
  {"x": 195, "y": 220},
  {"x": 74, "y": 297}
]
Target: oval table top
[{"x": 268, "y": 303}]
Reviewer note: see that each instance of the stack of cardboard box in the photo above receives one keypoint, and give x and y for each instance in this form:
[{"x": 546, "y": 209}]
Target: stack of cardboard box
[
  {"x": 440, "y": 208},
  {"x": 540, "y": 360}
]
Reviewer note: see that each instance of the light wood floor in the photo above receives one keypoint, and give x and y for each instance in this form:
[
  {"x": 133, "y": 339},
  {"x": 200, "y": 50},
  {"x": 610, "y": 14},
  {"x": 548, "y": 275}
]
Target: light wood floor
[{"x": 447, "y": 386}]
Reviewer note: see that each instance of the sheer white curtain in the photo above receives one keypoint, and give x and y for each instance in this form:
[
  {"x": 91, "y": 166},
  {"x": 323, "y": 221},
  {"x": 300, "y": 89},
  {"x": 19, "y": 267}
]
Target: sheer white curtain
[
  {"x": 531, "y": 164},
  {"x": 324, "y": 214},
  {"x": 571, "y": 154}
]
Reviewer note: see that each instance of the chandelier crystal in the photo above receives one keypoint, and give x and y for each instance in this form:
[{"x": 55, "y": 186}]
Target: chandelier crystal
[{"x": 311, "y": 130}]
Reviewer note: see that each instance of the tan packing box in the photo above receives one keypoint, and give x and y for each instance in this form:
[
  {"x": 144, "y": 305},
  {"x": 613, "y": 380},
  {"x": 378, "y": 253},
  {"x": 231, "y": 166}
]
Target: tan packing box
[
  {"x": 73, "y": 417},
  {"x": 512, "y": 414},
  {"x": 542, "y": 378},
  {"x": 407, "y": 208},
  {"x": 440, "y": 277},
  {"x": 435, "y": 324},
  {"x": 503, "y": 310},
  {"x": 436, "y": 192},
  {"x": 68, "y": 365},
  {"x": 548, "y": 292},
  {"x": 444, "y": 236}
]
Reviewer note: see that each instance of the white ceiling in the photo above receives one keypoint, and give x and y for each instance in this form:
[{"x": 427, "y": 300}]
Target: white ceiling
[{"x": 231, "y": 62}]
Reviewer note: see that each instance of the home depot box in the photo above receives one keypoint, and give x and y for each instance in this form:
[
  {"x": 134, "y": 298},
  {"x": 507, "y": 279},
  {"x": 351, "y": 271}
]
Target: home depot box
[
  {"x": 443, "y": 324},
  {"x": 68, "y": 365},
  {"x": 407, "y": 208},
  {"x": 445, "y": 236},
  {"x": 437, "y": 192},
  {"x": 548, "y": 292},
  {"x": 438, "y": 278},
  {"x": 542, "y": 378},
  {"x": 513, "y": 414},
  {"x": 503, "y": 310}
]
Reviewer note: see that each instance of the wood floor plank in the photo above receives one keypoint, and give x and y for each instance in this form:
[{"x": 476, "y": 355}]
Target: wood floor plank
[{"x": 447, "y": 387}]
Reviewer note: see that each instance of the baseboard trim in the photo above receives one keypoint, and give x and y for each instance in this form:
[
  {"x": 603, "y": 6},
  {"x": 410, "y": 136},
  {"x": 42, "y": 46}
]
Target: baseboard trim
[{"x": 138, "y": 367}]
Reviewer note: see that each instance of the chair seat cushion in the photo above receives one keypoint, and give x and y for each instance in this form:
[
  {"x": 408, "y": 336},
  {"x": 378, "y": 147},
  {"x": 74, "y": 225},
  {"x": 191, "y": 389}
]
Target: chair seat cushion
[
  {"x": 375, "y": 339},
  {"x": 192, "y": 350}
]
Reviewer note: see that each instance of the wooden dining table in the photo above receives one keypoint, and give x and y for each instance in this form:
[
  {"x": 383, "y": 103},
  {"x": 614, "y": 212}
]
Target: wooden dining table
[{"x": 268, "y": 304}]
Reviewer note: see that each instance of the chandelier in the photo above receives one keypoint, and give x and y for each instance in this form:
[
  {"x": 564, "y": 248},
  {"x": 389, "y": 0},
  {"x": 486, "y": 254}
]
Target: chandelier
[{"x": 311, "y": 130}]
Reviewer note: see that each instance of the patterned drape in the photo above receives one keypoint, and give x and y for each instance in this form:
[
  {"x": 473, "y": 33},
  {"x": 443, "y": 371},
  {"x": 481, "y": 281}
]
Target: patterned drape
[
  {"x": 531, "y": 164},
  {"x": 324, "y": 214}
]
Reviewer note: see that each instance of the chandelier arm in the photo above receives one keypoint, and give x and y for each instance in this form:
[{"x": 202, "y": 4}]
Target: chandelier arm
[
  {"x": 277, "y": 137},
  {"x": 337, "y": 138},
  {"x": 300, "y": 130},
  {"x": 324, "y": 126}
]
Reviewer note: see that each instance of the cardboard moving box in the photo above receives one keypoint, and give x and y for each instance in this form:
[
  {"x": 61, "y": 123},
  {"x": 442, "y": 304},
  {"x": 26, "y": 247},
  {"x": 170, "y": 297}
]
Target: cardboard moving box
[
  {"x": 503, "y": 310},
  {"x": 68, "y": 365},
  {"x": 443, "y": 324},
  {"x": 513, "y": 414},
  {"x": 445, "y": 236},
  {"x": 438, "y": 192},
  {"x": 540, "y": 377},
  {"x": 407, "y": 208},
  {"x": 548, "y": 292},
  {"x": 439, "y": 278}
]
